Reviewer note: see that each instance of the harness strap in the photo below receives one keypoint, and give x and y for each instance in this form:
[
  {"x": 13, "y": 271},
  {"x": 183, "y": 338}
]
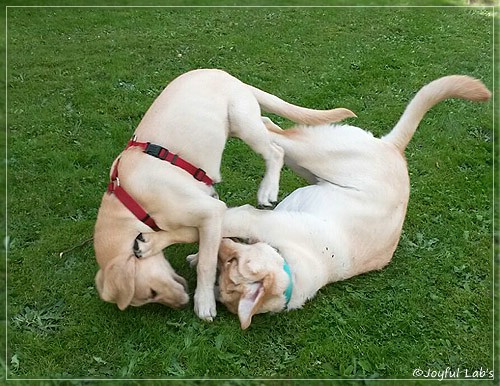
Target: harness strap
[
  {"x": 127, "y": 200},
  {"x": 165, "y": 155}
]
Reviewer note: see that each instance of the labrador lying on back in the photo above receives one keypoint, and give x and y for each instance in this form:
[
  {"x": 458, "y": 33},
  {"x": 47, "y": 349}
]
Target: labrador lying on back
[
  {"x": 163, "y": 182},
  {"x": 347, "y": 223}
]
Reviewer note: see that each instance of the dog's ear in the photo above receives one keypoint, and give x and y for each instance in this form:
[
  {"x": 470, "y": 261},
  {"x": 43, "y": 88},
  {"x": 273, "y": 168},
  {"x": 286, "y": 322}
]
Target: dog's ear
[
  {"x": 115, "y": 283},
  {"x": 227, "y": 251},
  {"x": 251, "y": 300}
]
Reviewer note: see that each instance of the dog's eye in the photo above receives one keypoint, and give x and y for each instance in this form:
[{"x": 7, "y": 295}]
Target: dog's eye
[{"x": 153, "y": 293}]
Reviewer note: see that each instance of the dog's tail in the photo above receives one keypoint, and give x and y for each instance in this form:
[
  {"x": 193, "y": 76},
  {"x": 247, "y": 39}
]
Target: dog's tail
[
  {"x": 453, "y": 86},
  {"x": 298, "y": 114}
]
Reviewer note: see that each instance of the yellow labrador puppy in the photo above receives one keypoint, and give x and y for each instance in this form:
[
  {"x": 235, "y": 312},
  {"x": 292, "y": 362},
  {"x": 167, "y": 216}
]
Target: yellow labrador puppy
[
  {"x": 347, "y": 223},
  {"x": 163, "y": 181}
]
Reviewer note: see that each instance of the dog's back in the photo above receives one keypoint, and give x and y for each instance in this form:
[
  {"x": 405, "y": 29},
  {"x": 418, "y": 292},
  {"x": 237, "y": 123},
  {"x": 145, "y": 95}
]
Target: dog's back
[
  {"x": 190, "y": 118},
  {"x": 364, "y": 180}
]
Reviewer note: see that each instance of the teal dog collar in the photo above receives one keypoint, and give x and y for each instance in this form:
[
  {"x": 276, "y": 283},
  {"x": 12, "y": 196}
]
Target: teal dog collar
[{"x": 289, "y": 289}]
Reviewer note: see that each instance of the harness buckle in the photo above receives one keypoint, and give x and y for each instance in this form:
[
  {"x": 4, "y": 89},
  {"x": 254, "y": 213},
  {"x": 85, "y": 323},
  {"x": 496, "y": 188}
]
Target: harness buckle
[
  {"x": 156, "y": 151},
  {"x": 113, "y": 185},
  {"x": 199, "y": 174}
]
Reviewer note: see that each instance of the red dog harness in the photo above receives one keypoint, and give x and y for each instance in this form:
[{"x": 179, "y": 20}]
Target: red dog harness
[{"x": 163, "y": 154}]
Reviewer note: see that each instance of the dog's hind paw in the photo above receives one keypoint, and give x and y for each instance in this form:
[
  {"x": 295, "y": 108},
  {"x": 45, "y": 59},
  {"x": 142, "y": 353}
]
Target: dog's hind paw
[
  {"x": 271, "y": 206},
  {"x": 266, "y": 196},
  {"x": 270, "y": 184}
]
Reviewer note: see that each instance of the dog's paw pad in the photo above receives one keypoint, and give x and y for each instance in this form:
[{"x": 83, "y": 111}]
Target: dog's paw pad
[
  {"x": 266, "y": 198},
  {"x": 142, "y": 246},
  {"x": 137, "y": 248},
  {"x": 269, "y": 206}
]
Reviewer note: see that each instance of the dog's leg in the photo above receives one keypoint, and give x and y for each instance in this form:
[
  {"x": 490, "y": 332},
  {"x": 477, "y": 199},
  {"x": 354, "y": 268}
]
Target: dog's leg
[
  {"x": 152, "y": 243},
  {"x": 199, "y": 219},
  {"x": 250, "y": 127},
  {"x": 243, "y": 221},
  {"x": 210, "y": 234},
  {"x": 269, "y": 187},
  {"x": 255, "y": 224}
]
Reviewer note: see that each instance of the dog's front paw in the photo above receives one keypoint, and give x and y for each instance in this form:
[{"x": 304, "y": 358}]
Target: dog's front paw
[
  {"x": 138, "y": 242},
  {"x": 144, "y": 246},
  {"x": 204, "y": 305},
  {"x": 192, "y": 260}
]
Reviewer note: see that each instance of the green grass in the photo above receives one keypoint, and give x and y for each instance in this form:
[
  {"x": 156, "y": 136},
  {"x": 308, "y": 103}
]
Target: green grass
[{"x": 79, "y": 81}]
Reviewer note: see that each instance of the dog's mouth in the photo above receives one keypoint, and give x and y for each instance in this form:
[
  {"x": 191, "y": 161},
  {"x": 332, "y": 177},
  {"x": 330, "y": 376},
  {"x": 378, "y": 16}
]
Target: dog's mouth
[
  {"x": 179, "y": 305},
  {"x": 179, "y": 298}
]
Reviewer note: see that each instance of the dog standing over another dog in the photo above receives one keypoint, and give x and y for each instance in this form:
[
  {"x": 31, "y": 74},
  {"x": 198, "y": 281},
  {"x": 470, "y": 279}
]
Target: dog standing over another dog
[
  {"x": 192, "y": 118},
  {"x": 347, "y": 223}
]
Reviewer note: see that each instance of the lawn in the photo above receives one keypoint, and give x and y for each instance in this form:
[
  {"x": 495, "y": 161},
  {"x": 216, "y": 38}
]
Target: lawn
[{"x": 79, "y": 81}]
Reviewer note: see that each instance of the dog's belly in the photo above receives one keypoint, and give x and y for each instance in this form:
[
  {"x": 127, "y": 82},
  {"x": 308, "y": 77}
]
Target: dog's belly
[
  {"x": 324, "y": 201},
  {"x": 366, "y": 230}
]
